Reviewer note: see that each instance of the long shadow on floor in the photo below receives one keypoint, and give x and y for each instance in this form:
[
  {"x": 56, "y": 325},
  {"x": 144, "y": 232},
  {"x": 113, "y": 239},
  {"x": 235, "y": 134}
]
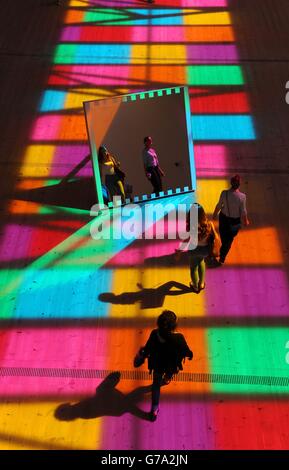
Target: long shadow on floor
[
  {"x": 78, "y": 194},
  {"x": 107, "y": 401},
  {"x": 148, "y": 298}
]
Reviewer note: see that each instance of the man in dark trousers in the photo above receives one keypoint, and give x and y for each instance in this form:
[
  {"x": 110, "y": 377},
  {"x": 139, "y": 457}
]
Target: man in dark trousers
[
  {"x": 151, "y": 165},
  {"x": 232, "y": 214}
]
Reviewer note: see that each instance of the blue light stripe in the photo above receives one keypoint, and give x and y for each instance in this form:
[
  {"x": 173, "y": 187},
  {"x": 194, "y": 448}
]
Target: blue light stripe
[
  {"x": 92, "y": 54},
  {"x": 52, "y": 100},
  {"x": 219, "y": 127}
]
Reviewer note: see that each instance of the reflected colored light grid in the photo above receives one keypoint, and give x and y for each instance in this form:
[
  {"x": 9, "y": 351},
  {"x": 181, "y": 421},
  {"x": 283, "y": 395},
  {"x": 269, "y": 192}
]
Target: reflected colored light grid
[
  {"x": 166, "y": 3},
  {"x": 154, "y": 17},
  {"x": 136, "y": 76},
  {"x": 205, "y": 127},
  {"x": 151, "y": 34},
  {"x": 248, "y": 351},
  {"x": 140, "y": 54}
]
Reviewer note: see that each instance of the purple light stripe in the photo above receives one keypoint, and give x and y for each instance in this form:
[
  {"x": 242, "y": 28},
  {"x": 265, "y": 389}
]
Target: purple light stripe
[
  {"x": 166, "y": 3},
  {"x": 254, "y": 292},
  {"x": 212, "y": 54},
  {"x": 68, "y": 157},
  {"x": 70, "y": 34},
  {"x": 188, "y": 429},
  {"x": 15, "y": 242}
]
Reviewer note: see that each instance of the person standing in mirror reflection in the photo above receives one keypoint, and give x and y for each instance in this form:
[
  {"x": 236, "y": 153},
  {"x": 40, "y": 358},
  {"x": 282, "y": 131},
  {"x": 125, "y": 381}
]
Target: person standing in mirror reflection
[
  {"x": 152, "y": 168},
  {"x": 111, "y": 174}
]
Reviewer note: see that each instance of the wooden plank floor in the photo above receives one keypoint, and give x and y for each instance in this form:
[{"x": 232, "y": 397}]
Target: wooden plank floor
[{"x": 59, "y": 339}]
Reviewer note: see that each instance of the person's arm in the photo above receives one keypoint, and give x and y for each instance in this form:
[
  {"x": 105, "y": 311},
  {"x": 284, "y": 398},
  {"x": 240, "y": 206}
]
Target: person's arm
[
  {"x": 219, "y": 206},
  {"x": 158, "y": 165},
  {"x": 185, "y": 348},
  {"x": 145, "y": 165},
  {"x": 148, "y": 346},
  {"x": 244, "y": 216}
]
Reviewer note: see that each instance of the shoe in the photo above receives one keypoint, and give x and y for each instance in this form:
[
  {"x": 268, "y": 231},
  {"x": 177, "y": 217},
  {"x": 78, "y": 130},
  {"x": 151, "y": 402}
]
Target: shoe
[
  {"x": 219, "y": 263},
  {"x": 154, "y": 414},
  {"x": 166, "y": 379},
  {"x": 202, "y": 288},
  {"x": 194, "y": 289}
]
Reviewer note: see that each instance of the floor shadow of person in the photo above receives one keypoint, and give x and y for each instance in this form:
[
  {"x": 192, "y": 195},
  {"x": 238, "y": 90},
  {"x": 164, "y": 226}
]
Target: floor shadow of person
[
  {"x": 107, "y": 401},
  {"x": 148, "y": 298}
]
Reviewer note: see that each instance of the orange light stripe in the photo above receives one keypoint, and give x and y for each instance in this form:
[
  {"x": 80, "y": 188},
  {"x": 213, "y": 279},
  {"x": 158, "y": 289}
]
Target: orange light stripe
[
  {"x": 162, "y": 74},
  {"x": 74, "y": 16},
  {"x": 72, "y": 128},
  {"x": 209, "y": 34}
]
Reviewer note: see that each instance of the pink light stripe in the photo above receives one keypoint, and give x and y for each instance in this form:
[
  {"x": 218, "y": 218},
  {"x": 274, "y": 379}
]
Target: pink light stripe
[
  {"x": 82, "y": 75},
  {"x": 166, "y": 3},
  {"x": 160, "y": 34},
  {"x": 53, "y": 348},
  {"x": 212, "y": 53},
  {"x": 46, "y": 128},
  {"x": 134, "y": 256},
  {"x": 211, "y": 158},
  {"x": 261, "y": 292}
]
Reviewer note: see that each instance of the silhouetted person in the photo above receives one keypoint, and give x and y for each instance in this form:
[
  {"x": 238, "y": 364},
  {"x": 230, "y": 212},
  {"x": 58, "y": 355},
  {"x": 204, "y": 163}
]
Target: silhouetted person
[
  {"x": 152, "y": 167},
  {"x": 165, "y": 351},
  {"x": 232, "y": 212},
  {"x": 107, "y": 401}
]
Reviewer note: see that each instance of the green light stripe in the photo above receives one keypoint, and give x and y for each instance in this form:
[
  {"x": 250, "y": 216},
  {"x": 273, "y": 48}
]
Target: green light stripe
[{"x": 214, "y": 75}]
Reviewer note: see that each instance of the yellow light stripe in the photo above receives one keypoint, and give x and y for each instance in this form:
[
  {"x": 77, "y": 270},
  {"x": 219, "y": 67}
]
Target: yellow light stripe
[
  {"x": 193, "y": 17},
  {"x": 33, "y": 426},
  {"x": 125, "y": 281},
  {"x": 158, "y": 54}
]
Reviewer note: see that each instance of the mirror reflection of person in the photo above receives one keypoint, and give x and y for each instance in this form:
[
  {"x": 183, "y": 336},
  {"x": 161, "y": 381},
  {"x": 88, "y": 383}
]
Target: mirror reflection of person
[
  {"x": 152, "y": 167},
  {"x": 111, "y": 174}
]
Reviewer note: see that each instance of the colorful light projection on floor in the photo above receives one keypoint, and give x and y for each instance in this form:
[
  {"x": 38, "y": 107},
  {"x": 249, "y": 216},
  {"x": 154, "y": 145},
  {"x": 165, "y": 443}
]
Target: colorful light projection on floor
[{"x": 104, "y": 52}]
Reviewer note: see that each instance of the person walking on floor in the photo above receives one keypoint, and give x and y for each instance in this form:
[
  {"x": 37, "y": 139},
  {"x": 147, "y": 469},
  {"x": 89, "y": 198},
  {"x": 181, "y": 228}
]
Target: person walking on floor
[
  {"x": 166, "y": 351},
  {"x": 152, "y": 168},
  {"x": 232, "y": 214},
  {"x": 208, "y": 245}
]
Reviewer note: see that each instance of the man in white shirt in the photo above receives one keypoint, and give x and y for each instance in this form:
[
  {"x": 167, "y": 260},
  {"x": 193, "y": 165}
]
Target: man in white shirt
[
  {"x": 151, "y": 165},
  {"x": 232, "y": 214}
]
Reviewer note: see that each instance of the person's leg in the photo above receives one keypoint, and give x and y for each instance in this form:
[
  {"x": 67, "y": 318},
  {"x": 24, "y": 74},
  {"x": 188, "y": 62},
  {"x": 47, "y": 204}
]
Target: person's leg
[
  {"x": 156, "y": 391},
  {"x": 155, "y": 180},
  {"x": 226, "y": 237},
  {"x": 201, "y": 273},
  {"x": 121, "y": 190},
  {"x": 159, "y": 179},
  {"x": 194, "y": 265}
]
